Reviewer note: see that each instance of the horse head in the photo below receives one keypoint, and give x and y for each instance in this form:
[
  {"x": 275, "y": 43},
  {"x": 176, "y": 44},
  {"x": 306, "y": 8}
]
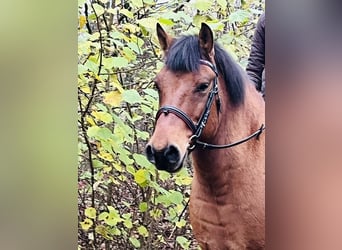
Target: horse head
[{"x": 185, "y": 83}]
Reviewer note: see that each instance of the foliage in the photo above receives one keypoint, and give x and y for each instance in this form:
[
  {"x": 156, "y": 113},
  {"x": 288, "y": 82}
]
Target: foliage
[{"x": 124, "y": 203}]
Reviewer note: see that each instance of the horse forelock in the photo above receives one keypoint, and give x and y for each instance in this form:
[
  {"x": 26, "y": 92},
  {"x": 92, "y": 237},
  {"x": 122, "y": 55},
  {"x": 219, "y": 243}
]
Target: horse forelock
[{"x": 184, "y": 56}]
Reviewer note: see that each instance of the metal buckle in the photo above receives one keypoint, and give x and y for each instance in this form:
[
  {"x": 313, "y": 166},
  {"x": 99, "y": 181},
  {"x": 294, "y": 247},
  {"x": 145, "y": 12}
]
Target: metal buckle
[{"x": 192, "y": 142}]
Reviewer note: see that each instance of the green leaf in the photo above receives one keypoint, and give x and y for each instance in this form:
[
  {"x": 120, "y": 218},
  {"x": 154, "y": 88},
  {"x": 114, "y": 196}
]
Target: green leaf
[
  {"x": 130, "y": 169},
  {"x": 127, "y": 13},
  {"x": 98, "y": 9},
  {"x": 115, "y": 62},
  {"x": 82, "y": 69},
  {"x": 149, "y": 23},
  {"x": 81, "y": 3},
  {"x": 124, "y": 157},
  {"x": 118, "y": 35},
  {"x": 175, "y": 197},
  {"x": 223, "y": 4},
  {"x": 149, "y": 2},
  {"x": 142, "y": 134},
  {"x": 98, "y": 164},
  {"x": 180, "y": 223},
  {"x": 115, "y": 231},
  {"x": 113, "y": 218},
  {"x": 128, "y": 223},
  {"x": 152, "y": 92},
  {"x": 135, "y": 242},
  {"x": 239, "y": 16},
  {"x": 112, "y": 209},
  {"x": 143, "y": 207},
  {"x": 101, "y": 107},
  {"x": 129, "y": 54},
  {"x": 203, "y": 5},
  {"x": 141, "y": 160},
  {"x": 142, "y": 231},
  {"x": 99, "y": 133},
  {"x": 118, "y": 167},
  {"x": 166, "y": 21},
  {"x": 198, "y": 19},
  {"x": 131, "y": 96},
  {"x": 134, "y": 47},
  {"x": 92, "y": 66},
  {"x": 92, "y": 131},
  {"x": 183, "y": 242},
  {"x": 103, "y": 215},
  {"x": 137, "y": 3},
  {"x": 216, "y": 25},
  {"x": 146, "y": 109},
  {"x": 163, "y": 175}
]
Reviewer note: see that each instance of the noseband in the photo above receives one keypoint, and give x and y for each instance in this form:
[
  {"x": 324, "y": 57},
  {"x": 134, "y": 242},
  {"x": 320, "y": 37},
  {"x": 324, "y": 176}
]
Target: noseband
[{"x": 197, "y": 129}]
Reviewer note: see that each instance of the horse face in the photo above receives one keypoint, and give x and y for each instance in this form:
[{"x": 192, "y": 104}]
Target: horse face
[{"x": 187, "y": 92}]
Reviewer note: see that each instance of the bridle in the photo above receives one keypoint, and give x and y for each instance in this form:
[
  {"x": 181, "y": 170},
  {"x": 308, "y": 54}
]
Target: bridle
[{"x": 197, "y": 129}]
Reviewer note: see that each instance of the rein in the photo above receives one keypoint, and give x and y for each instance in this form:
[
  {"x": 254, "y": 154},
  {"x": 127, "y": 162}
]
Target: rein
[{"x": 198, "y": 128}]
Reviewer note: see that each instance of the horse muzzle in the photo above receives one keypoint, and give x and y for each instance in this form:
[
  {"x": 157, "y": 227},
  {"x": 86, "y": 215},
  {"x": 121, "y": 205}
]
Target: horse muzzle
[{"x": 168, "y": 159}]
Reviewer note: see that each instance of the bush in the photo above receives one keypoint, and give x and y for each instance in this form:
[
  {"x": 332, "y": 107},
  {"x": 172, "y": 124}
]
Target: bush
[{"x": 124, "y": 203}]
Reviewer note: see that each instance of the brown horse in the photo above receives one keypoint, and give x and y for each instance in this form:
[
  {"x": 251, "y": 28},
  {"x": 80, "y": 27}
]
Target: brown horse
[{"x": 210, "y": 108}]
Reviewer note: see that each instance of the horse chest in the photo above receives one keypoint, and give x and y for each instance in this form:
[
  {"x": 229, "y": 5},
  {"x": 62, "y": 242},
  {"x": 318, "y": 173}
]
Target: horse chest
[
  {"x": 221, "y": 221},
  {"x": 216, "y": 226}
]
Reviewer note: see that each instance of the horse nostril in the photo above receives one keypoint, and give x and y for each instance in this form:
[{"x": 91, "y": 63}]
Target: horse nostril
[
  {"x": 172, "y": 154},
  {"x": 150, "y": 154}
]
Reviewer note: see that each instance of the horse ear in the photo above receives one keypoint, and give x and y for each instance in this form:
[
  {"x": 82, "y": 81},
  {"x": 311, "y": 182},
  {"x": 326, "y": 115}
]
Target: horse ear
[
  {"x": 206, "y": 40},
  {"x": 164, "y": 39}
]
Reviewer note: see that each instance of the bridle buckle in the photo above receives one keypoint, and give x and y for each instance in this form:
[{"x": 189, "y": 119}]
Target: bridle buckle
[{"x": 192, "y": 142}]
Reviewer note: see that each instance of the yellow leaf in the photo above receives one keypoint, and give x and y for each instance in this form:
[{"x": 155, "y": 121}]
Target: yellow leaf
[
  {"x": 102, "y": 116},
  {"x": 90, "y": 120},
  {"x": 86, "y": 224},
  {"x": 118, "y": 167},
  {"x": 82, "y": 21},
  {"x": 142, "y": 230},
  {"x": 141, "y": 177},
  {"x": 115, "y": 83},
  {"x": 85, "y": 89},
  {"x": 90, "y": 212},
  {"x": 113, "y": 180},
  {"x": 186, "y": 180},
  {"x": 106, "y": 156},
  {"x": 123, "y": 179},
  {"x": 181, "y": 223},
  {"x": 113, "y": 98},
  {"x": 107, "y": 169}
]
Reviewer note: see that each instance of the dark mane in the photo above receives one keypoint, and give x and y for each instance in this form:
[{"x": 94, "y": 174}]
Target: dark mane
[{"x": 184, "y": 56}]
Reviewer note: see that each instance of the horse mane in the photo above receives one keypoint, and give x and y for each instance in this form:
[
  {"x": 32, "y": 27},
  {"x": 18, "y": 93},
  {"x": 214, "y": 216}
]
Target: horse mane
[{"x": 184, "y": 56}]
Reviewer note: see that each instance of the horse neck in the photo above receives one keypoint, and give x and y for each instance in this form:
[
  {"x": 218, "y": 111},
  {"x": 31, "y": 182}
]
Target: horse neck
[{"x": 220, "y": 167}]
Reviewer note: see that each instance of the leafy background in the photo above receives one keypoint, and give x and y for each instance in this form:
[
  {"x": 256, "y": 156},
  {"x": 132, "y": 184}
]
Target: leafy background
[{"x": 123, "y": 202}]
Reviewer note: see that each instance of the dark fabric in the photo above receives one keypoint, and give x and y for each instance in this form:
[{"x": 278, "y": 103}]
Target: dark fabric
[{"x": 256, "y": 60}]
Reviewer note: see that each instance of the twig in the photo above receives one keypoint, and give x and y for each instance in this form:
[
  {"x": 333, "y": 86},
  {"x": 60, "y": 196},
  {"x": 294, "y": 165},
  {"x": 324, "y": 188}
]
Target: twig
[
  {"x": 100, "y": 64},
  {"x": 87, "y": 20},
  {"x": 181, "y": 214},
  {"x": 92, "y": 169}
]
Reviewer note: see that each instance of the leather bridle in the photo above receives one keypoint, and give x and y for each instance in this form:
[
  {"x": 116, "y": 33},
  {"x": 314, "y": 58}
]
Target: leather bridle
[{"x": 197, "y": 129}]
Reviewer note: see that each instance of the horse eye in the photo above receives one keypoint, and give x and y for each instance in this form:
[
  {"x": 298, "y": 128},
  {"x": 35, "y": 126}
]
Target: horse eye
[{"x": 202, "y": 87}]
